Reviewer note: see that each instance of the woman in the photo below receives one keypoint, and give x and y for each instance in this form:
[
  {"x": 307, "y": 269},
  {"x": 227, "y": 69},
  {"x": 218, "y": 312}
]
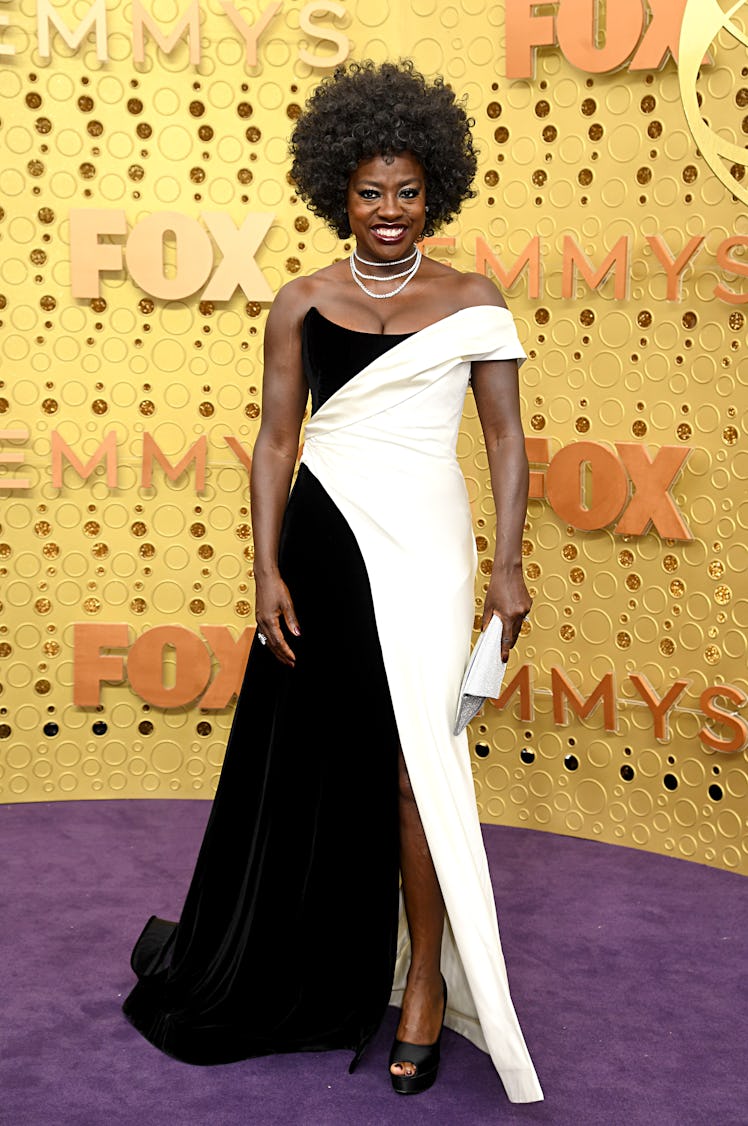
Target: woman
[{"x": 341, "y": 766}]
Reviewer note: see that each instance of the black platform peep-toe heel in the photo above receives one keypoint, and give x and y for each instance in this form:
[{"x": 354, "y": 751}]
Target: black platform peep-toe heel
[{"x": 425, "y": 1057}]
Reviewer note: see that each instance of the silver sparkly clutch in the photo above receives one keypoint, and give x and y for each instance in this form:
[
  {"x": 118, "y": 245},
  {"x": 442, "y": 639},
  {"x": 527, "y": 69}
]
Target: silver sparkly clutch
[{"x": 483, "y": 675}]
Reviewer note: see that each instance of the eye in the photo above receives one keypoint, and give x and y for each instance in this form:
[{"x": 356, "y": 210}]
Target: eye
[
  {"x": 368, "y": 193},
  {"x": 410, "y": 193}
]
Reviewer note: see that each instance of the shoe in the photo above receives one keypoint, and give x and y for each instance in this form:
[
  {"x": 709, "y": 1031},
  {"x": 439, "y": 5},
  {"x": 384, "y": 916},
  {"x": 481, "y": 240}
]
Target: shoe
[{"x": 425, "y": 1057}]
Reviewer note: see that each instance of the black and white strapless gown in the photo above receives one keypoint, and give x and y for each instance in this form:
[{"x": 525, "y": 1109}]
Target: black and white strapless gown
[{"x": 293, "y": 936}]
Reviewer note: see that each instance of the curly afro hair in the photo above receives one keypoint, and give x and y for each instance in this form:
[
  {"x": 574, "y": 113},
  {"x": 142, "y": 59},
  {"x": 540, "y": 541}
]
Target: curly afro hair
[{"x": 363, "y": 110}]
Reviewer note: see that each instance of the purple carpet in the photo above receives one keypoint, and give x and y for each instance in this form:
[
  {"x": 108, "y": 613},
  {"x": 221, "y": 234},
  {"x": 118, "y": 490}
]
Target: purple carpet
[{"x": 628, "y": 971}]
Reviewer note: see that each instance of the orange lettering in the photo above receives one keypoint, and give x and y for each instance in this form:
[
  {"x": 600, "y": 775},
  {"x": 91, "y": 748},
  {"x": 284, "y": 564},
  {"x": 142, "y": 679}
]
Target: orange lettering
[
  {"x": 235, "y": 445},
  {"x": 90, "y": 665},
  {"x": 567, "y": 489},
  {"x": 564, "y": 692},
  {"x": 196, "y": 453},
  {"x": 579, "y": 32},
  {"x": 674, "y": 267},
  {"x": 738, "y": 726},
  {"x": 575, "y": 259},
  {"x": 651, "y": 499},
  {"x": 232, "y": 658},
  {"x": 107, "y": 448},
  {"x": 530, "y": 257},
  {"x": 538, "y": 450},
  {"x": 659, "y": 707},
  {"x": 146, "y": 672},
  {"x": 521, "y": 682},
  {"x": 734, "y": 266},
  {"x": 662, "y": 37},
  {"x": 525, "y": 30}
]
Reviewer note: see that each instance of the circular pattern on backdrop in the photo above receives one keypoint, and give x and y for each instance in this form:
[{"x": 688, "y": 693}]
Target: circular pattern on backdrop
[{"x": 601, "y": 157}]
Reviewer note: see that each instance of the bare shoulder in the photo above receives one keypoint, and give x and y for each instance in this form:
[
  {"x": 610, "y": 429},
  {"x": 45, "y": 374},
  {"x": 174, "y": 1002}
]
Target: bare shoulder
[
  {"x": 291, "y": 303},
  {"x": 294, "y": 299},
  {"x": 477, "y": 289}
]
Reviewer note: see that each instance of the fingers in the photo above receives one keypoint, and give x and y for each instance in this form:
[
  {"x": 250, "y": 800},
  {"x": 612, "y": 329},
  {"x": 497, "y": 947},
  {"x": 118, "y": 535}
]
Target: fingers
[
  {"x": 276, "y": 643},
  {"x": 280, "y": 648},
  {"x": 511, "y": 627},
  {"x": 269, "y": 628},
  {"x": 289, "y": 615},
  {"x": 508, "y": 640}
]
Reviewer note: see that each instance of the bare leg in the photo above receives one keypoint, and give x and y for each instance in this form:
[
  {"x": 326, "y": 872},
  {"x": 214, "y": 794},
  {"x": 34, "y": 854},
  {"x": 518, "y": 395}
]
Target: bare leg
[{"x": 421, "y": 1015}]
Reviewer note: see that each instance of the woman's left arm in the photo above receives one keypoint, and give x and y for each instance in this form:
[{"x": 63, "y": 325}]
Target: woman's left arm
[{"x": 496, "y": 390}]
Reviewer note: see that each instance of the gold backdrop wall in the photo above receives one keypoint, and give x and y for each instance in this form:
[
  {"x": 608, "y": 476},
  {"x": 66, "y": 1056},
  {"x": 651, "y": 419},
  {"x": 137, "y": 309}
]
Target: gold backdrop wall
[{"x": 147, "y": 217}]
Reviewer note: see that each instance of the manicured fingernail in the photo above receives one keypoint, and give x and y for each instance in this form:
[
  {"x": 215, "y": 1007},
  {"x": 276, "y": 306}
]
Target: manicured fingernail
[{"x": 297, "y": 631}]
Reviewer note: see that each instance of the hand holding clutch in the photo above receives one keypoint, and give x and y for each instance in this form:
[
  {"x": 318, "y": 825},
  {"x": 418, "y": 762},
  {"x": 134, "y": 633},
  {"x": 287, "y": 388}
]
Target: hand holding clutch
[{"x": 483, "y": 675}]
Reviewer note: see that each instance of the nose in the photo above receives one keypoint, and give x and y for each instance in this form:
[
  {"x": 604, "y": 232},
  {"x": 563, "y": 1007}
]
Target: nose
[{"x": 390, "y": 205}]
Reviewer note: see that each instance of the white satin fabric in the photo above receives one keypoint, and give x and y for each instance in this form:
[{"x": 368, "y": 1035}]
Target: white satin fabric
[{"x": 383, "y": 447}]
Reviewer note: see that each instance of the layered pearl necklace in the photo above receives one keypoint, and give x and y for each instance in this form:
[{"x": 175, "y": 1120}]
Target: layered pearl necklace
[{"x": 359, "y": 277}]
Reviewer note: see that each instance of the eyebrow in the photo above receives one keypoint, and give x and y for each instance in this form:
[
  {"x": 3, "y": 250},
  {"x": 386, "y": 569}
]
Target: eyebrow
[{"x": 416, "y": 180}]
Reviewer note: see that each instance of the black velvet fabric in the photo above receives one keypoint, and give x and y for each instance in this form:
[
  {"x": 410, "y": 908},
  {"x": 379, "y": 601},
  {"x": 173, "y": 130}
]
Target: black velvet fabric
[
  {"x": 287, "y": 937},
  {"x": 333, "y": 354}
]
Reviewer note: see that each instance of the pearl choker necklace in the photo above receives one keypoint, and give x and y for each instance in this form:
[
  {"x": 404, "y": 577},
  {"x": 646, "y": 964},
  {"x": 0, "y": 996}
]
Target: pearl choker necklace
[
  {"x": 406, "y": 274},
  {"x": 394, "y": 262}
]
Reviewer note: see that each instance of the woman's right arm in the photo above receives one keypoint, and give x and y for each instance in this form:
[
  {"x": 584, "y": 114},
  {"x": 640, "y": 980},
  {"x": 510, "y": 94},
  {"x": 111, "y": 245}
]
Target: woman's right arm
[{"x": 284, "y": 397}]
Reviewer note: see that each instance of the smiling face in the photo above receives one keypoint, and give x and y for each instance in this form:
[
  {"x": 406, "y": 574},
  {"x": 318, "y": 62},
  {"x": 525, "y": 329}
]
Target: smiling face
[{"x": 386, "y": 204}]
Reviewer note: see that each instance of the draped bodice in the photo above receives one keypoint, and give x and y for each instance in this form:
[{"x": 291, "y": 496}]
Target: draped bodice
[{"x": 332, "y": 354}]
